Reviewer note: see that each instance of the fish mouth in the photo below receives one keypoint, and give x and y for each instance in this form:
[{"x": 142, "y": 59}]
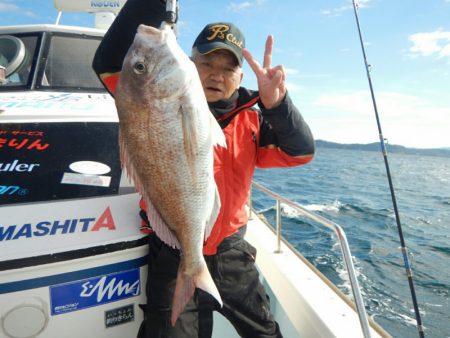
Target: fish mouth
[{"x": 149, "y": 30}]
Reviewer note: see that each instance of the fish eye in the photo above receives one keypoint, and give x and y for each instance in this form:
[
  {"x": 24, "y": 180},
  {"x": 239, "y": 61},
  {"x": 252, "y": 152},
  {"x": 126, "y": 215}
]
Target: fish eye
[{"x": 139, "y": 67}]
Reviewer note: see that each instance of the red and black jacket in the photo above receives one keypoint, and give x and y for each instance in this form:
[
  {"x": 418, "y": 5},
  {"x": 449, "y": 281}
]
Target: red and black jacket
[{"x": 264, "y": 138}]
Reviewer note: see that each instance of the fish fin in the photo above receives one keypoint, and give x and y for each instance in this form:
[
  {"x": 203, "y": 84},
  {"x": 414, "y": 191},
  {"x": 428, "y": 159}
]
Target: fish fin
[
  {"x": 160, "y": 227},
  {"x": 190, "y": 140},
  {"x": 185, "y": 287},
  {"x": 149, "y": 32},
  {"x": 218, "y": 138},
  {"x": 204, "y": 281},
  {"x": 156, "y": 222},
  {"x": 214, "y": 213}
]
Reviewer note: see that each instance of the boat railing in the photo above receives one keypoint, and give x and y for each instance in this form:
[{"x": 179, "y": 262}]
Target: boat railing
[{"x": 345, "y": 249}]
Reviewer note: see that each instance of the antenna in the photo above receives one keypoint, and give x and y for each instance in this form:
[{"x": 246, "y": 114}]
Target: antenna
[
  {"x": 58, "y": 18},
  {"x": 105, "y": 10},
  {"x": 391, "y": 186}
]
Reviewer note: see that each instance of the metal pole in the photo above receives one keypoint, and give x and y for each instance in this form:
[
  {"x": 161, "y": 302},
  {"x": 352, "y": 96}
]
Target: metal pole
[
  {"x": 278, "y": 222},
  {"x": 250, "y": 203},
  {"x": 345, "y": 250}
]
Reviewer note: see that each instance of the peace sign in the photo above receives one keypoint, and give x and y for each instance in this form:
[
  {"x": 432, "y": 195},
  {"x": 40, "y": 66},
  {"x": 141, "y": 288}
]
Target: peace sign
[{"x": 271, "y": 81}]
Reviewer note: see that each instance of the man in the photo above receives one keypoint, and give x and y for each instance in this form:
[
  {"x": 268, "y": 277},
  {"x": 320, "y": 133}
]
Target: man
[
  {"x": 3, "y": 64},
  {"x": 275, "y": 137},
  {"x": 2, "y": 75}
]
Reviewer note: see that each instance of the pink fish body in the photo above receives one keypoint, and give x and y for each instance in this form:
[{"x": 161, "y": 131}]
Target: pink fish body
[{"x": 167, "y": 135}]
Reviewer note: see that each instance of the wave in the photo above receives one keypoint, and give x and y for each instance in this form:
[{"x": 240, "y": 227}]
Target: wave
[
  {"x": 408, "y": 319},
  {"x": 441, "y": 249},
  {"x": 291, "y": 212},
  {"x": 333, "y": 207},
  {"x": 358, "y": 210},
  {"x": 379, "y": 302},
  {"x": 264, "y": 210},
  {"x": 350, "y": 190}
]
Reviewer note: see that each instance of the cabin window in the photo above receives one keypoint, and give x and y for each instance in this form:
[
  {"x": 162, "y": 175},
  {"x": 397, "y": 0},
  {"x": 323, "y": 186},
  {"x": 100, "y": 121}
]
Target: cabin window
[{"x": 69, "y": 63}]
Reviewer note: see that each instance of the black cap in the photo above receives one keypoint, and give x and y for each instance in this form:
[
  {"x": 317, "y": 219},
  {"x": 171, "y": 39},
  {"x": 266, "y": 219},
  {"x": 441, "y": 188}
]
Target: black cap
[{"x": 221, "y": 35}]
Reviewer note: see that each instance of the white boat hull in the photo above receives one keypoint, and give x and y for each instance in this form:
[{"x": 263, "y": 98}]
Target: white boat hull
[
  {"x": 55, "y": 306},
  {"x": 73, "y": 268}
]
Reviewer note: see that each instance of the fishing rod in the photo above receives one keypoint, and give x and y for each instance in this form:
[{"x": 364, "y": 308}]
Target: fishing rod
[{"x": 391, "y": 186}]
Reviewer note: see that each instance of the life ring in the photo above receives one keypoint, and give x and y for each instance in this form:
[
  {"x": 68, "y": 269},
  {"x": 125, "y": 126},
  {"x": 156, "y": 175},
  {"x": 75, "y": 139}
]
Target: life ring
[{"x": 12, "y": 52}]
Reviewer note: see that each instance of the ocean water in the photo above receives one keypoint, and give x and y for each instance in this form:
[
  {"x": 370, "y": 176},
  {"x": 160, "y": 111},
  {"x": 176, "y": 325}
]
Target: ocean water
[{"x": 350, "y": 187}]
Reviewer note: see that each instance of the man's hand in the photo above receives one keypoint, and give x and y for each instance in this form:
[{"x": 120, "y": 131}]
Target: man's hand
[{"x": 271, "y": 81}]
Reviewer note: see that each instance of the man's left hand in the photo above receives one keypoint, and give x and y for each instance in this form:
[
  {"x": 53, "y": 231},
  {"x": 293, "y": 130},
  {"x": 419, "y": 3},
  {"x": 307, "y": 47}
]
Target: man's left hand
[{"x": 271, "y": 81}]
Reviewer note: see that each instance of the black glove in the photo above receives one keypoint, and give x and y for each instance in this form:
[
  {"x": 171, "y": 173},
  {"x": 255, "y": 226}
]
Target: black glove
[{"x": 119, "y": 37}]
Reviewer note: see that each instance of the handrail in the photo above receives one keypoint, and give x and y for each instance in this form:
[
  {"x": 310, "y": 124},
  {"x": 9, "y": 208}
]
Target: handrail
[{"x": 345, "y": 249}]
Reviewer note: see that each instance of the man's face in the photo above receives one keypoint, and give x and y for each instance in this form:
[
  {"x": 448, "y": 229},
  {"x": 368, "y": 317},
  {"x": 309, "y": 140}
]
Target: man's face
[
  {"x": 2, "y": 75},
  {"x": 219, "y": 73}
]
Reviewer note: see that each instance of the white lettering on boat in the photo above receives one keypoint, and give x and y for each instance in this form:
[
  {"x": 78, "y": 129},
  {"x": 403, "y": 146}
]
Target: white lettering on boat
[{"x": 110, "y": 289}]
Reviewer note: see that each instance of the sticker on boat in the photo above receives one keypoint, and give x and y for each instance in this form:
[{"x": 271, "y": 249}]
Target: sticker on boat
[
  {"x": 94, "y": 291},
  {"x": 90, "y": 167}
]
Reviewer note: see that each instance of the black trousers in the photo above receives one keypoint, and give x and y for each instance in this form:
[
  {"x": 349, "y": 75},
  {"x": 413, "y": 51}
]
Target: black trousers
[{"x": 245, "y": 303}]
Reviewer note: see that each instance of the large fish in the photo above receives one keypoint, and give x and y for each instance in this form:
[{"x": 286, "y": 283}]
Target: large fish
[{"x": 167, "y": 135}]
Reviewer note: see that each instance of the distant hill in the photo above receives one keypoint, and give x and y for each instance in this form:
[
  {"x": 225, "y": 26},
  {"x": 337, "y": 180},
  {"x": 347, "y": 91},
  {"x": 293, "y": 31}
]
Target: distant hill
[{"x": 391, "y": 148}]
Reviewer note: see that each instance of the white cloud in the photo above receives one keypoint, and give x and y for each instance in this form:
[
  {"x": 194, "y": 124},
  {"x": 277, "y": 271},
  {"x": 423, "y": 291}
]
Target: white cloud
[
  {"x": 363, "y": 3},
  {"x": 293, "y": 87},
  {"x": 243, "y": 6},
  {"x": 405, "y": 119},
  {"x": 8, "y": 7},
  {"x": 359, "y": 103},
  {"x": 338, "y": 10},
  {"x": 431, "y": 44},
  {"x": 290, "y": 71}
]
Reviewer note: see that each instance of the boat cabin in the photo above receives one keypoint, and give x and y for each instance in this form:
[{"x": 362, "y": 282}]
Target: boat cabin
[{"x": 58, "y": 125}]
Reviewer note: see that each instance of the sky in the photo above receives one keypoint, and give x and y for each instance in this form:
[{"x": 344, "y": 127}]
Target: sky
[{"x": 407, "y": 45}]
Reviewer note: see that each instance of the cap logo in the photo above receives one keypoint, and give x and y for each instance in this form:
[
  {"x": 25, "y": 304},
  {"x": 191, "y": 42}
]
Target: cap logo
[{"x": 218, "y": 31}]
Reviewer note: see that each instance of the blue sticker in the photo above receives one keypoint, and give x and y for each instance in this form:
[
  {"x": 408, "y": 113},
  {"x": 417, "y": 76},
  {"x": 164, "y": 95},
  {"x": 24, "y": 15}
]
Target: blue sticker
[{"x": 94, "y": 291}]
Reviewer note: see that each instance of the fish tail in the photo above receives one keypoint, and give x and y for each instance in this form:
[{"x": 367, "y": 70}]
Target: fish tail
[
  {"x": 185, "y": 287},
  {"x": 204, "y": 281}
]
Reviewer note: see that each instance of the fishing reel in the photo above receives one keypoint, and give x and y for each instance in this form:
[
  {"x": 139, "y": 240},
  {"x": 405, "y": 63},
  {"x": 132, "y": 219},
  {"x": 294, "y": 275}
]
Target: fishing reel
[{"x": 171, "y": 12}]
